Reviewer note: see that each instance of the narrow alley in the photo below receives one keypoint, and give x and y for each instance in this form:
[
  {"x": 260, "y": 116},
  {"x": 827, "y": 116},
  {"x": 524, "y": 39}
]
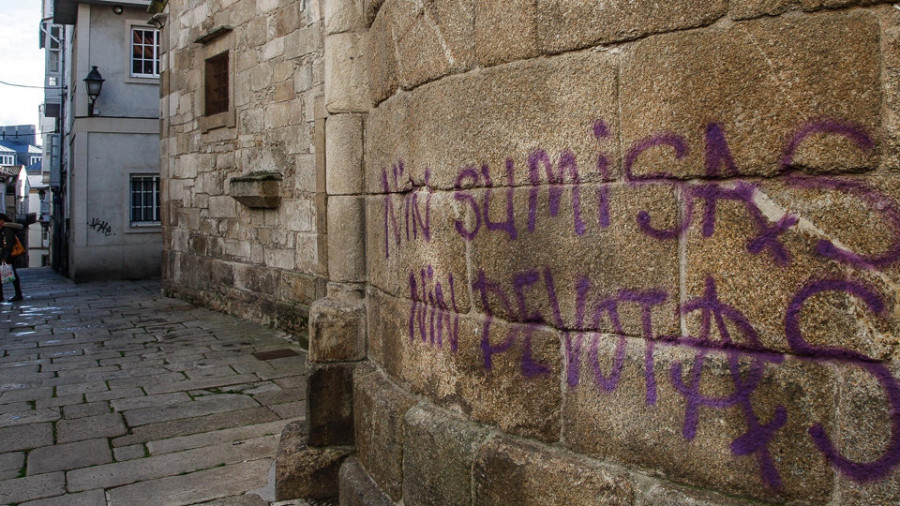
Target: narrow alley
[{"x": 113, "y": 394}]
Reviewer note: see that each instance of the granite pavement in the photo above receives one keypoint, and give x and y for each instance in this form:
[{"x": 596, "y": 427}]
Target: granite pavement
[{"x": 111, "y": 394}]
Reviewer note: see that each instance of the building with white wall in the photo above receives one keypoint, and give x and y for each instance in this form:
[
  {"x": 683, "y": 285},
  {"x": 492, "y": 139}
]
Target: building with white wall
[{"x": 105, "y": 167}]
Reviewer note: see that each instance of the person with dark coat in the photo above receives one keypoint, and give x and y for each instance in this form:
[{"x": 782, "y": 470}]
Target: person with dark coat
[{"x": 7, "y": 242}]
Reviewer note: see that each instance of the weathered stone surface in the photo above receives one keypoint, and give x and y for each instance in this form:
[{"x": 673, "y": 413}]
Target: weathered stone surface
[
  {"x": 344, "y": 154},
  {"x": 763, "y": 284},
  {"x": 188, "y": 426},
  {"x": 302, "y": 471},
  {"x": 680, "y": 84},
  {"x": 330, "y": 405},
  {"x": 438, "y": 453},
  {"x": 890, "y": 61},
  {"x": 571, "y": 24},
  {"x": 702, "y": 426},
  {"x": 812, "y": 5},
  {"x": 89, "y": 498},
  {"x": 756, "y": 8},
  {"x": 865, "y": 435},
  {"x": 195, "y": 487},
  {"x": 515, "y": 387},
  {"x": 382, "y": 59},
  {"x": 510, "y": 471},
  {"x": 170, "y": 464},
  {"x": 407, "y": 257},
  {"x": 592, "y": 260},
  {"x": 549, "y": 104},
  {"x": 346, "y": 239},
  {"x": 343, "y": 15},
  {"x": 379, "y": 429},
  {"x": 357, "y": 489},
  {"x": 431, "y": 40},
  {"x": 201, "y": 406},
  {"x": 505, "y": 31},
  {"x": 10, "y": 463},
  {"x": 649, "y": 492},
  {"x": 337, "y": 331},
  {"x": 347, "y": 85},
  {"x": 32, "y": 487},
  {"x": 387, "y": 144}
]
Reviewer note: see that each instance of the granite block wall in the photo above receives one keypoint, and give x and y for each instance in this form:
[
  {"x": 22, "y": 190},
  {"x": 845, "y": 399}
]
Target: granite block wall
[{"x": 643, "y": 252}]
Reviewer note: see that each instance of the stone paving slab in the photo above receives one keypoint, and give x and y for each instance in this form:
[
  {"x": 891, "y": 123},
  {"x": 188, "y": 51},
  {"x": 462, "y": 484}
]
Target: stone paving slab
[
  {"x": 215, "y": 437},
  {"x": 195, "y": 487},
  {"x": 170, "y": 464},
  {"x": 32, "y": 487},
  {"x": 89, "y": 498},
  {"x": 89, "y": 427},
  {"x": 199, "y": 407},
  {"x": 113, "y": 394},
  {"x": 68, "y": 456},
  {"x": 25, "y": 437}
]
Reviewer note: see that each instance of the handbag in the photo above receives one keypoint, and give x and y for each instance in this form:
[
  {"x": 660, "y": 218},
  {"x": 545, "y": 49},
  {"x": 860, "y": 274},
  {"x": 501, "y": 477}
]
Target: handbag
[
  {"x": 7, "y": 275},
  {"x": 17, "y": 249}
]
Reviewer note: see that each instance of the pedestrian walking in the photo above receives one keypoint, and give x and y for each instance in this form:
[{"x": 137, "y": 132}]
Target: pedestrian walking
[{"x": 8, "y": 242}]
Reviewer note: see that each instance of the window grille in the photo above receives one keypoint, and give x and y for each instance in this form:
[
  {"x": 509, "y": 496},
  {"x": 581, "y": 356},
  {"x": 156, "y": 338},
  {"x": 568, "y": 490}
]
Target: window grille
[{"x": 145, "y": 200}]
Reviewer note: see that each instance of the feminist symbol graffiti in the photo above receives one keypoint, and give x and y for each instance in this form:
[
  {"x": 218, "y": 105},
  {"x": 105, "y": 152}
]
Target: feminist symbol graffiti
[{"x": 758, "y": 436}]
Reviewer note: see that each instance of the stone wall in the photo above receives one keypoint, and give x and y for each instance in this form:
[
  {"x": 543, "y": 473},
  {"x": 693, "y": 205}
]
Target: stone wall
[
  {"x": 611, "y": 252},
  {"x": 629, "y": 253},
  {"x": 256, "y": 249}
]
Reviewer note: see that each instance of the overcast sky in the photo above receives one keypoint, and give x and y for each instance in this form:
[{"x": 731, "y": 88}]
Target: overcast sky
[{"x": 21, "y": 61}]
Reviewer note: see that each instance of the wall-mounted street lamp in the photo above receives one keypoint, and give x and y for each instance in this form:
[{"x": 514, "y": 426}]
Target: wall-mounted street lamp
[{"x": 94, "y": 83}]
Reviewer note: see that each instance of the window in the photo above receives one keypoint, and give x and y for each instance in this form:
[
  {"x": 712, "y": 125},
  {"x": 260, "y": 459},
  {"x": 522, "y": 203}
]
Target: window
[
  {"x": 144, "y": 200},
  {"x": 216, "y": 86},
  {"x": 33, "y": 159},
  {"x": 54, "y": 49},
  {"x": 7, "y": 159},
  {"x": 144, "y": 52}
]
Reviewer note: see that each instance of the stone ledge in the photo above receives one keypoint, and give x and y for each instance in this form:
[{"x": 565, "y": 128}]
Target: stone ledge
[{"x": 257, "y": 190}]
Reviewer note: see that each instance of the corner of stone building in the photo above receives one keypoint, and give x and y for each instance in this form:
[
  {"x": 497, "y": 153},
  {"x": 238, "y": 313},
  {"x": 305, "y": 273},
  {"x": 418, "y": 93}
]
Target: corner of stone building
[{"x": 311, "y": 456}]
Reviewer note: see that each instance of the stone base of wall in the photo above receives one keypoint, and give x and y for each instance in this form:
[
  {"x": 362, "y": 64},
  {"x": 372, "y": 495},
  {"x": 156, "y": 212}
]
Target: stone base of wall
[
  {"x": 422, "y": 454},
  {"x": 291, "y": 318}
]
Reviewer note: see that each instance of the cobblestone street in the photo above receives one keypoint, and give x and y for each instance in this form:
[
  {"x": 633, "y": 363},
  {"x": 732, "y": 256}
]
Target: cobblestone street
[{"x": 113, "y": 394}]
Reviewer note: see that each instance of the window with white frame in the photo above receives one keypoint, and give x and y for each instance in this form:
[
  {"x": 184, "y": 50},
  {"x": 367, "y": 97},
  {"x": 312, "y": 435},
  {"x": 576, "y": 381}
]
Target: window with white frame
[
  {"x": 144, "y": 52},
  {"x": 144, "y": 200},
  {"x": 33, "y": 159},
  {"x": 7, "y": 159}
]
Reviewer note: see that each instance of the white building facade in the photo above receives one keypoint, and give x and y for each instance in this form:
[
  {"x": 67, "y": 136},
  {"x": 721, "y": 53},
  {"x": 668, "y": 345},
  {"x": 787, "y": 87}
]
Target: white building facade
[{"x": 106, "y": 174}]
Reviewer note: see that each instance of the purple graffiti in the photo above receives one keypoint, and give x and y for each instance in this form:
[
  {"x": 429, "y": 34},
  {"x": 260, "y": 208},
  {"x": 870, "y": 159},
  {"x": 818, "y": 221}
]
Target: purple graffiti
[
  {"x": 757, "y": 437},
  {"x": 412, "y": 212},
  {"x": 556, "y": 179},
  {"x": 563, "y": 174},
  {"x": 722, "y": 329},
  {"x": 717, "y": 152},
  {"x": 509, "y": 226},
  {"x": 675, "y": 141},
  {"x": 487, "y": 287},
  {"x": 851, "y": 131},
  {"x": 529, "y": 300},
  {"x": 467, "y": 174},
  {"x": 860, "y": 471},
  {"x": 430, "y": 313},
  {"x": 876, "y": 200}
]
